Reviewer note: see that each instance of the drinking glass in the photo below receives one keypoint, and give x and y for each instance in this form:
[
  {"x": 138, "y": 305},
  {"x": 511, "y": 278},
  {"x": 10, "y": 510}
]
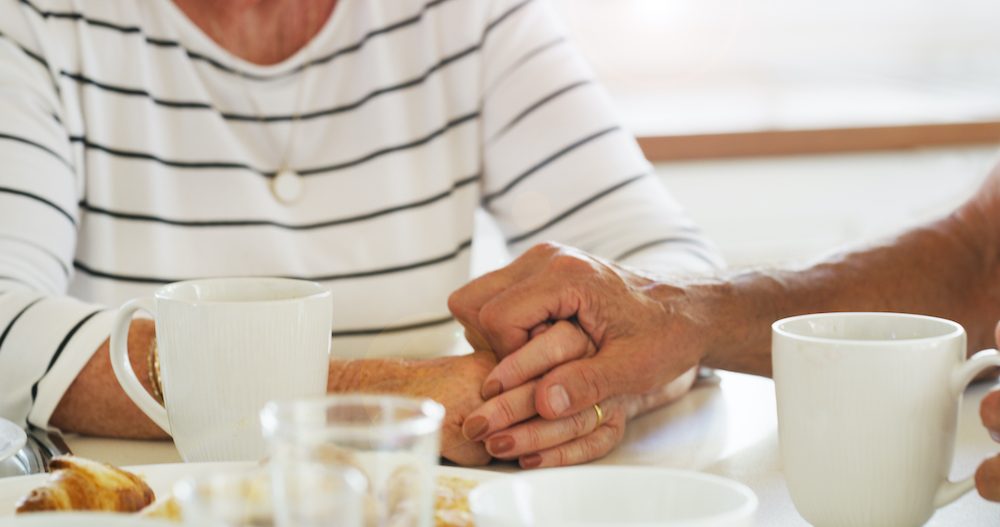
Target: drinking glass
[
  {"x": 226, "y": 499},
  {"x": 393, "y": 442},
  {"x": 312, "y": 496}
]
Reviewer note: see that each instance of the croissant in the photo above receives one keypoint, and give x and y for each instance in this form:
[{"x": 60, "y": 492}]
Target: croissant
[{"x": 84, "y": 485}]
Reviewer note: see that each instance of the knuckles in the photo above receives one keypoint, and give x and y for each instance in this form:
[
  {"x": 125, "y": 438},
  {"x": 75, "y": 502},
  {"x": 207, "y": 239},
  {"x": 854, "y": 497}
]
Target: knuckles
[
  {"x": 989, "y": 411},
  {"x": 566, "y": 264},
  {"x": 595, "y": 381},
  {"x": 505, "y": 410},
  {"x": 459, "y": 305},
  {"x": 579, "y": 423},
  {"x": 543, "y": 250}
]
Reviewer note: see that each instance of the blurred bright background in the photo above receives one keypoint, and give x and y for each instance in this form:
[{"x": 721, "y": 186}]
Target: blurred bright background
[
  {"x": 730, "y": 73},
  {"x": 685, "y": 66}
]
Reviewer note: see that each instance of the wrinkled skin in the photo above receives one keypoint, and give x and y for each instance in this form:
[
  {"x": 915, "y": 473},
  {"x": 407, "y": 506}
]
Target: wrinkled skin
[
  {"x": 572, "y": 331},
  {"x": 455, "y": 382}
]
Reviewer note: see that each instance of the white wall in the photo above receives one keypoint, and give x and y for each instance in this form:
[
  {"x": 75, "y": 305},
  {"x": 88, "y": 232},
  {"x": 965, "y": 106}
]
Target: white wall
[
  {"x": 788, "y": 209},
  {"x": 779, "y": 211}
]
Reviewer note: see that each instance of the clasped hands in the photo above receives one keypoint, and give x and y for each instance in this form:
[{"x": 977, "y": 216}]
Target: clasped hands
[
  {"x": 571, "y": 331},
  {"x": 562, "y": 350}
]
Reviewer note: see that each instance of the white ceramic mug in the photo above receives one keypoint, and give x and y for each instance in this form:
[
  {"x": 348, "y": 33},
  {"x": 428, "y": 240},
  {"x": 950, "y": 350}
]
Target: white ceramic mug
[
  {"x": 226, "y": 347},
  {"x": 867, "y": 412}
]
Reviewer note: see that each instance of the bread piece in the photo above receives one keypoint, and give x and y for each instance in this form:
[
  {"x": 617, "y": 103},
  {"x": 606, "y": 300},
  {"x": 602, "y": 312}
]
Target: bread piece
[
  {"x": 80, "y": 484},
  {"x": 451, "y": 502},
  {"x": 163, "y": 509}
]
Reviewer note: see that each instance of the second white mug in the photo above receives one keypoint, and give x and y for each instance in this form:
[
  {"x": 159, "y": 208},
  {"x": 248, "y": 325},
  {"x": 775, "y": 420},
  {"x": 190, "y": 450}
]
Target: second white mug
[
  {"x": 227, "y": 346},
  {"x": 867, "y": 412}
]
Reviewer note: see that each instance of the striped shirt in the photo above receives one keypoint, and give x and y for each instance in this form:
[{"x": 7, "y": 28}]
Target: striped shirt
[{"x": 135, "y": 151}]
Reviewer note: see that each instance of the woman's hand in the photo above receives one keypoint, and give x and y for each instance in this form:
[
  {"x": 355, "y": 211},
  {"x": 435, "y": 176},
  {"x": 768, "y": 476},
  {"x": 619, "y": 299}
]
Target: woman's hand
[
  {"x": 637, "y": 334},
  {"x": 455, "y": 382},
  {"x": 509, "y": 423}
]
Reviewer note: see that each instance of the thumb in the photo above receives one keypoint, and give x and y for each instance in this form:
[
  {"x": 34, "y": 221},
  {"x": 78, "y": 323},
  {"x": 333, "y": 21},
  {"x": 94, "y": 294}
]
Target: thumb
[
  {"x": 617, "y": 369},
  {"x": 989, "y": 412},
  {"x": 576, "y": 385}
]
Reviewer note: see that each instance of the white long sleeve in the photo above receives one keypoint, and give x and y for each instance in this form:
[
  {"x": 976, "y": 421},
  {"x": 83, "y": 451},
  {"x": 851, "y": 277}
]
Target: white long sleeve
[{"x": 134, "y": 151}]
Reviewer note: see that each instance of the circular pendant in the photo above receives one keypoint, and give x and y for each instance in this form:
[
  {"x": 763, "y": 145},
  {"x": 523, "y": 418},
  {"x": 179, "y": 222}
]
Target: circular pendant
[{"x": 287, "y": 186}]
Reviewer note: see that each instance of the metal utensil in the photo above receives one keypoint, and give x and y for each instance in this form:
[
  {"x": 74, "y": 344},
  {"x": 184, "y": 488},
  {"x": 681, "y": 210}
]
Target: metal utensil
[{"x": 49, "y": 443}]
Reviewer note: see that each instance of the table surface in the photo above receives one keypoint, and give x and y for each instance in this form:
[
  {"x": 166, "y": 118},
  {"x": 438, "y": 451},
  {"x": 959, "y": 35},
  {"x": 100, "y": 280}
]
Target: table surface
[{"x": 727, "y": 427}]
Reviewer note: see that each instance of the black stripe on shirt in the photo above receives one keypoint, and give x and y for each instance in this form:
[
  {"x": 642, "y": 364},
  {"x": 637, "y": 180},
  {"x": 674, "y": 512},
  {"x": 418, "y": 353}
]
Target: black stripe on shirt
[
  {"x": 57, "y": 208},
  {"x": 317, "y": 61},
  {"x": 295, "y": 227},
  {"x": 672, "y": 240},
  {"x": 168, "y": 43},
  {"x": 458, "y": 121},
  {"x": 391, "y": 329},
  {"x": 526, "y": 58},
  {"x": 504, "y": 16},
  {"x": 15, "y": 280},
  {"x": 13, "y": 321},
  {"x": 59, "y": 350},
  {"x": 535, "y": 106},
  {"x": 80, "y": 266},
  {"x": 489, "y": 198},
  {"x": 135, "y": 92},
  {"x": 416, "y": 81},
  {"x": 399, "y": 268},
  {"x": 230, "y": 165},
  {"x": 31, "y": 54},
  {"x": 574, "y": 209},
  {"x": 132, "y": 154},
  {"x": 73, "y": 15},
  {"x": 39, "y": 146},
  {"x": 37, "y": 58},
  {"x": 233, "y": 116}
]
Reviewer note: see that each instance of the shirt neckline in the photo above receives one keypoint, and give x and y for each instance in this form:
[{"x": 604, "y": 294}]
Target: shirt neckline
[{"x": 310, "y": 51}]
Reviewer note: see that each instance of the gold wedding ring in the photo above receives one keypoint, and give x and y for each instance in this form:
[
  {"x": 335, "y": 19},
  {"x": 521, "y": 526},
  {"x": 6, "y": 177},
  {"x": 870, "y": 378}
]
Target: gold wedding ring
[{"x": 600, "y": 415}]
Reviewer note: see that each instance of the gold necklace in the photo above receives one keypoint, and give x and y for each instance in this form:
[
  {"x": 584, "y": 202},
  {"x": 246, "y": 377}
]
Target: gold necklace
[{"x": 286, "y": 183}]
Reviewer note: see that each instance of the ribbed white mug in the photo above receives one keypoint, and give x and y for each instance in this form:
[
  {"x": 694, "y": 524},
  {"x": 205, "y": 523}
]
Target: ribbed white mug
[
  {"x": 226, "y": 347},
  {"x": 867, "y": 412}
]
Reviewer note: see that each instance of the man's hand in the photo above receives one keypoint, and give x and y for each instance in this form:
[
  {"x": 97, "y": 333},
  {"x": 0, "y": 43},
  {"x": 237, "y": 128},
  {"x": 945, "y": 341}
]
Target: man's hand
[
  {"x": 511, "y": 429},
  {"x": 455, "y": 382},
  {"x": 988, "y": 474},
  {"x": 637, "y": 334}
]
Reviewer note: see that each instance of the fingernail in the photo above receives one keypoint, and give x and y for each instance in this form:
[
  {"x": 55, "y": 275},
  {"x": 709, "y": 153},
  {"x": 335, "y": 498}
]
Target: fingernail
[
  {"x": 995, "y": 435},
  {"x": 492, "y": 389},
  {"x": 558, "y": 399},
  {"x": 500, "y": 444},
  {"x": 475, "y": 428},
  {"x": 531, "y": 461}
]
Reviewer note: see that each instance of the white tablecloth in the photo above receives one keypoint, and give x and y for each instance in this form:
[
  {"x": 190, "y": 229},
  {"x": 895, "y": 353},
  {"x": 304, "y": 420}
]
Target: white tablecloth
[{"x": 727, "y": 428}]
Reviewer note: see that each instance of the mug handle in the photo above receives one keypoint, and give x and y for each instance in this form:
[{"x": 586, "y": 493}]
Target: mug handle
[
  {"x": 950, "y": 491},
  {"x": 122, "y": 366}
]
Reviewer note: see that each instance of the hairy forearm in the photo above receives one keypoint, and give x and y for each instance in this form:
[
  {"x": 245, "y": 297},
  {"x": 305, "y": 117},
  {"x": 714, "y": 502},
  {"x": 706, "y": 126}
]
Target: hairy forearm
[
  {"x": 95, "y": 404},
  {"x": 947, "y": 269},
  {"x": 366, "y": 375}
]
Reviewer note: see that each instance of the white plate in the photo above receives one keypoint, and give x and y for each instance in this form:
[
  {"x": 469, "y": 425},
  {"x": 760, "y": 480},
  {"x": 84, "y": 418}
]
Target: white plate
[
  {"x": 12, "y": 438},
  {"x": 613, "y": 496},
  {"x": 161, "y": 478},
  {"x": 72, "y": 519}
]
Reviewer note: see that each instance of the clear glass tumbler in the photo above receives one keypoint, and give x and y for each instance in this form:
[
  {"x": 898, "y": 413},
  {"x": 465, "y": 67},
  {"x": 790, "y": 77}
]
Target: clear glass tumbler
[
  {"x": 392, "y": 442},
  {"x": 238, "y": 498},
  {"x": 312, "y": 496}
]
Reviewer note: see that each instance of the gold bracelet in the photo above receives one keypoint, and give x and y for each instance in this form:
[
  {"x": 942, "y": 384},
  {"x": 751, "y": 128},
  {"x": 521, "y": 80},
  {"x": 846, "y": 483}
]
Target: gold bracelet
[{"x": 153, "y": 369}]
